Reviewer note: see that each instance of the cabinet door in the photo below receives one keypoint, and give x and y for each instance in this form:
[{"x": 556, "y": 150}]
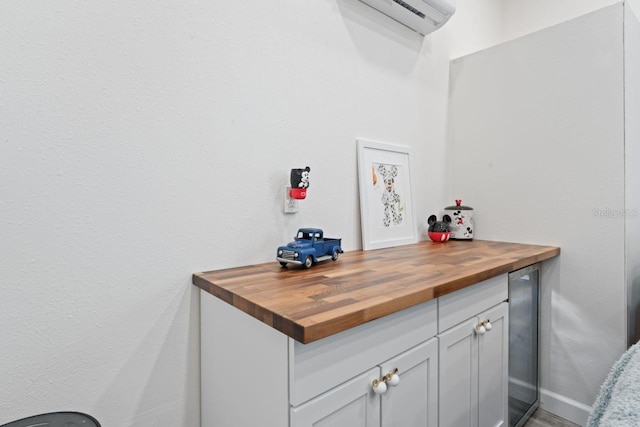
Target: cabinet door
[
  {"x": 414, "y": 401},
  {"x": 352, "y": 404},
  {"x": 493, "y": 357},
  {"x": 458, "y": 360}
]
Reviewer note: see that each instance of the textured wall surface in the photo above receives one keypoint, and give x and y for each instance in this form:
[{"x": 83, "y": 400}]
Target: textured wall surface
[
  {"x": 526, "y": 16},
  {"x": 145, "y": 141},
  {"x": 537, "y": 147}
]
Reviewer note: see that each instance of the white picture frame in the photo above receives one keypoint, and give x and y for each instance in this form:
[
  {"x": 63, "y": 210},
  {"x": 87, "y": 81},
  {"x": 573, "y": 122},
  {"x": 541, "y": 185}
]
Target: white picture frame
[{"x": 387, "y": 213}]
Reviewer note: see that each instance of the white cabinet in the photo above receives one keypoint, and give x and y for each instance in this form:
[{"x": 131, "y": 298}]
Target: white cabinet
[
  {"x": 412, "y": 402},
  {"x": 493, "y": 360},
  {"x": 473, "y": 357},
  {"x": 253, "y": 375},
  {"x": 319, "y": 366},
  {"x": 459, "y": 375},
  {"x": 352, "y": 404},
  {"x": 449, "y": 376}
]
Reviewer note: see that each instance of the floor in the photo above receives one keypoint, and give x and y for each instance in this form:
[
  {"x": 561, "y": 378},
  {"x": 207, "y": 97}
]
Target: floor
[{"x": 545, "y": 419}]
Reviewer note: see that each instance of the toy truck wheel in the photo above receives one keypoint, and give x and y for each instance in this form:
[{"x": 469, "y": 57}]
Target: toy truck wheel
[
  {"x": 335, "y": 255},
  {"x": 284, "y": 264},
  {"x": 308, "y": 262}
]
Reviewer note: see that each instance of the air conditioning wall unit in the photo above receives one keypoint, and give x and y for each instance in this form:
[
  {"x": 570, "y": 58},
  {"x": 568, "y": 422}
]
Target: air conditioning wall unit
[{"x": 422, "y": 16}]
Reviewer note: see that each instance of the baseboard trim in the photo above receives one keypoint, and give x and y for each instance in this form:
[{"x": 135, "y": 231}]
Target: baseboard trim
[{"x": 564, "y": 407}]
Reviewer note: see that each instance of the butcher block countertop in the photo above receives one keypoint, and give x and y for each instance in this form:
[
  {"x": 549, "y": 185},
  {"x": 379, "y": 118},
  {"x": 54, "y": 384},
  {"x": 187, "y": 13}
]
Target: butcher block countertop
[{"x": 333, "y": 296}]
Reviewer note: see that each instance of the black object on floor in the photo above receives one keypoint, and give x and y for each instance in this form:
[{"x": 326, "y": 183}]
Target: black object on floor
[{"x": 56, "y": 419}]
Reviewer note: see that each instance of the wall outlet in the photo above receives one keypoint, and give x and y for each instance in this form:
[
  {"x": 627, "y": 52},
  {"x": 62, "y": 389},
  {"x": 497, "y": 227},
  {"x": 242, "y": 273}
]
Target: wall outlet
[{"x": 290, "y": 205}]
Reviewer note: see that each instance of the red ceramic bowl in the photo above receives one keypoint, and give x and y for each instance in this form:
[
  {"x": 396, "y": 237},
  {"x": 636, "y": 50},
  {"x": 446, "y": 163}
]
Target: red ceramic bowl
[{"x": 439, "y": 236}]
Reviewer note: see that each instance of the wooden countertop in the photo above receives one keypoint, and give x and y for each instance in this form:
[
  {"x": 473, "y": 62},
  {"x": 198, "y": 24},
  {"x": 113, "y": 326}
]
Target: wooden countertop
[{"x": 330, "y": 297}]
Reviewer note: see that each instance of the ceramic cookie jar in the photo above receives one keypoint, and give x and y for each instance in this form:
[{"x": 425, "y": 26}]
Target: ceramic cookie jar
[{"x": 461, "y": 226}]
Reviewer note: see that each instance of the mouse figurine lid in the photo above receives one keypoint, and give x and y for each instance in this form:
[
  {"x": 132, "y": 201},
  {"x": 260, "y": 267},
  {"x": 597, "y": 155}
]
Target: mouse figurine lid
[{"x": 438, "y": 231}]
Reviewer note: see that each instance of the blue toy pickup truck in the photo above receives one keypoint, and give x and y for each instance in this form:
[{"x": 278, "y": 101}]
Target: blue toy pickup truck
[{"x": 309, "y": 247}]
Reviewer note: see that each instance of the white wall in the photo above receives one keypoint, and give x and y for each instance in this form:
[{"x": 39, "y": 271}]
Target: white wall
[
  {"x": 146, "y": 141},
  {"x": 632, "y": 172},
  {"x": 537, "y": 147},
  {"x": 143, "y": 142},
  {"x": 526, "y": 16}
]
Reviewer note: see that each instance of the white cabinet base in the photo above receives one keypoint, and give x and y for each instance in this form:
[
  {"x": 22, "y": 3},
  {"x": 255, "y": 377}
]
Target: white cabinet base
[
  {"x": 244, "y": 368},
  {"x": 253, "y": 375},
  {"x": 474, "y": 372},
  {"x": 414, "y": 402},
  {"x": 459, "y": 376},
  {"x": 493, "y": 369},
  {"x": 352, "y": 404}
]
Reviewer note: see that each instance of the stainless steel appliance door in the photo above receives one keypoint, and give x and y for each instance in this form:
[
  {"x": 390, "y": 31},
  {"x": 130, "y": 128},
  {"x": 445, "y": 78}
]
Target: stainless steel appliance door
[{"x": 524, "y": 325}]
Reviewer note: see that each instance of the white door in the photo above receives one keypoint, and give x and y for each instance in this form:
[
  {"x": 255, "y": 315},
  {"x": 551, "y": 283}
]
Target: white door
[
  {"x": 352, "y": 404},
  {"x": 458, "y": 360},
  {"x": 493, "y": 348},
  {"x": 414, "y": 401}
]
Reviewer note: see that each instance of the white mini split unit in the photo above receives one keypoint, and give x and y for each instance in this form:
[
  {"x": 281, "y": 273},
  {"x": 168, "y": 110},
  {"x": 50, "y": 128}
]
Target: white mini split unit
[{"x": 423, "y": 16}]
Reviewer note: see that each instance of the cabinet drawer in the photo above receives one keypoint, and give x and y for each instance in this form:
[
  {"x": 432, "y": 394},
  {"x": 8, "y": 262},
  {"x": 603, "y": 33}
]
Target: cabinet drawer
[
  {"x": 321, "y": 365},
  {"x": 458, "y": 306}
]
